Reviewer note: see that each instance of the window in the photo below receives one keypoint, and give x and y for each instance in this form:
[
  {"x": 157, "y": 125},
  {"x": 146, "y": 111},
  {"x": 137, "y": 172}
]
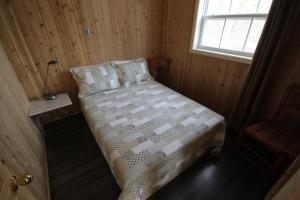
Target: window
[{"x": 229, "y": 28}]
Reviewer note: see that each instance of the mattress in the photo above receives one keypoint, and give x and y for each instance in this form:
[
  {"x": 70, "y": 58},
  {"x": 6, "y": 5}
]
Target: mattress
[{"x": 149, "y": 133}]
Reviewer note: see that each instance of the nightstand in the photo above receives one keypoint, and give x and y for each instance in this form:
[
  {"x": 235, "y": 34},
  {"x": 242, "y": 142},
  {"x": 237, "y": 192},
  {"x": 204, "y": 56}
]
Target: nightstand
[{"x": 41, "y": 106}]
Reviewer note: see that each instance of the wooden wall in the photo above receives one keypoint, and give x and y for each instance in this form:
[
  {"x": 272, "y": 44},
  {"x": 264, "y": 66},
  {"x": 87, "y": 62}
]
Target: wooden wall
[
  {"x": 283, "y": 186},
  {"x": 21, "y": 144},
  {"x": 213, "y": 82},
  {"x": 36, "y": 31},
  {"x": 291, "y": 190}
]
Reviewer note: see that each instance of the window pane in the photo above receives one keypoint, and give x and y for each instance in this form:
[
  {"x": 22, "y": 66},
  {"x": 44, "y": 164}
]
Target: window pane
[
  {"x": 254, "y": 35},
  {"x": 264, "y": 6},
  {"x": 216, "y": 7},
  {"x": 212, "y": 31},
  {"x": 243, "y": 6},
  {"x": 235, "y": 33}
]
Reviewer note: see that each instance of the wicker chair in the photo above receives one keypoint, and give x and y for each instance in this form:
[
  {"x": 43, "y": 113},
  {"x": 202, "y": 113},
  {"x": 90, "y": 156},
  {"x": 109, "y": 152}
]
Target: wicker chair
[{"x": 275, "y": 143}]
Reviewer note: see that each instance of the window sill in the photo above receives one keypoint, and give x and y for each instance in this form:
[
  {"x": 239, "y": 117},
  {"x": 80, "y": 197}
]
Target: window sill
[{"x": 221, "y": 55}]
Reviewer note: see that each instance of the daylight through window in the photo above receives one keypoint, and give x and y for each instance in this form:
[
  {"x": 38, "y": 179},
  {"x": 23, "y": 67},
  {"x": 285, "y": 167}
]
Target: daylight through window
[{"x": 231, "y": 27}]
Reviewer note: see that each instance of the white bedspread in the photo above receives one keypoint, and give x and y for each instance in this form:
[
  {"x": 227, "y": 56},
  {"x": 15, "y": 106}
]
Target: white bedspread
[{"x": 149, "y": 134}]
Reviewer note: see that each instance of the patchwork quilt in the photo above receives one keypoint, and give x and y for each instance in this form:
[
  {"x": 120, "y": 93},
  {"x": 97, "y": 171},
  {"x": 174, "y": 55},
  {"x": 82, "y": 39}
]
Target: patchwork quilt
[{"x": 149, "y": 133}]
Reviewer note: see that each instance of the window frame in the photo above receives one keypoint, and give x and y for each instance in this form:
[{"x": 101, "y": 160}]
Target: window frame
[{"x": 199, "y": 19}]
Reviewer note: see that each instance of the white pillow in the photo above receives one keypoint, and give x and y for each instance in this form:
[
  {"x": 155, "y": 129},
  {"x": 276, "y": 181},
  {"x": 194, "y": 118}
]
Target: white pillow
[
  {"x": 95, "y": 78},
  {"x": 132, "y": 71}
]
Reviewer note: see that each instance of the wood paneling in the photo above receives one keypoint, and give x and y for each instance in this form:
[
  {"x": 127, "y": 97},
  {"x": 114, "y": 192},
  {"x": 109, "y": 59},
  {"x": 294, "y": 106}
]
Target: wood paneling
[
  {"x": 21, "y": 145},
  {"x": 278, "y": 187},
  {"x": 35, "y": 31},
  {"x": 291, "y": 190},
  {"x": 213, "y": 82}
]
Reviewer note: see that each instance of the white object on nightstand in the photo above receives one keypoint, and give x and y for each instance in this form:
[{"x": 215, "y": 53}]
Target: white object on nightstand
[{"x": 40, "y": 106}]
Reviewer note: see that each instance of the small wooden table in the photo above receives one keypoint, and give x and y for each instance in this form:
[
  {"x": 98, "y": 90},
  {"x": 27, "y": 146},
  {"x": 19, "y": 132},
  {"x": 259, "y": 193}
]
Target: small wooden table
[{"x": 40, "y": 106}]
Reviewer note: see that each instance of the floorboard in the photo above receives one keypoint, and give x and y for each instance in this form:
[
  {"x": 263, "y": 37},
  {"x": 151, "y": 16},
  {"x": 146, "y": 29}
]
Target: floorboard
[{"x": 78, "y": 170}]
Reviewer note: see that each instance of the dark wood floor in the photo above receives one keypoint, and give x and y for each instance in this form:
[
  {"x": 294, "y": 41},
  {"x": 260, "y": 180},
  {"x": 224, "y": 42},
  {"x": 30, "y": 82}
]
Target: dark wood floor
[{"x": 78, "y": 170}]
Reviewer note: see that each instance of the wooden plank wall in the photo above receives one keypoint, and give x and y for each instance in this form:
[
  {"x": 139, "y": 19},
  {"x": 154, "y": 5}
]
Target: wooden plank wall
[
  {"x": 36, "y": 31},
  {"x": 278, "y": 188},
  {"x": 21, "y": 144},
  {"x": 291, "y": 190},
  {"x": 213, "y": 82}
]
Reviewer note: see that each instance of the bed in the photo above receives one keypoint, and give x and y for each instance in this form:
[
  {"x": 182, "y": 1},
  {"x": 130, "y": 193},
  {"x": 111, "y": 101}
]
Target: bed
[{"x": 149, "y": 133}]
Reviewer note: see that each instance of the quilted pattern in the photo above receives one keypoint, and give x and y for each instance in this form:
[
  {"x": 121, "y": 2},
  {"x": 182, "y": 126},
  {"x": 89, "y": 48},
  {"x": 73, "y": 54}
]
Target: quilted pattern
[
  {"x": 149, "y": 134},
  {"x": 95, "y": 78},
  {"x": 132, "y": 71}
]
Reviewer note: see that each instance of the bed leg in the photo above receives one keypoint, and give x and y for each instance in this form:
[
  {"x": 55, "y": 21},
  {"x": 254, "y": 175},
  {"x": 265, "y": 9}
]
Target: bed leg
[{"x": 215, "y": 151}]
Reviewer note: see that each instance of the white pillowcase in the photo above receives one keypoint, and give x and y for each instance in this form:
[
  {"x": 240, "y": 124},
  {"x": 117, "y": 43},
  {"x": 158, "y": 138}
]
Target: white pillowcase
[
  {"x": 132, "y": 71},
  {"x": 95, "y": 78}
]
